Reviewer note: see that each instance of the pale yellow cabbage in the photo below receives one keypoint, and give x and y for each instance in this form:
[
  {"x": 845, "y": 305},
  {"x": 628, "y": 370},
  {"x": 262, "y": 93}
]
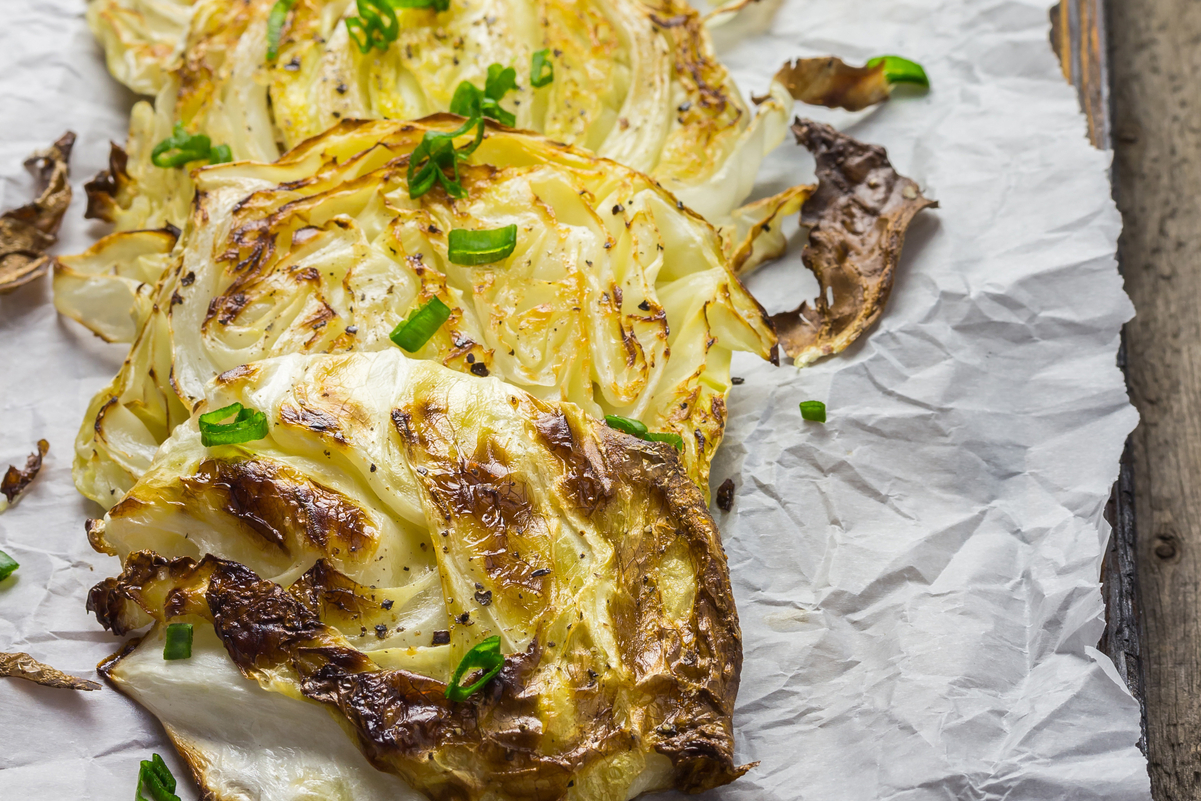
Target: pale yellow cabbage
[
  {"x": 634, "y": 80},
  {"x": 617, "y": 298},
  {"x": 396, "y": 515}
]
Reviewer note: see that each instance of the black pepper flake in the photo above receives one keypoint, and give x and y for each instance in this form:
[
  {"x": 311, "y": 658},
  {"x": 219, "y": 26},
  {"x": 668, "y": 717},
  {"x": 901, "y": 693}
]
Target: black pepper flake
[
  {"x": 725, "y": 495},
  {"x": 542, "y": 571},
  {"x": 480, "y": 369},
  {"x": 352, "y": 329},
  {"x": 471, "y": 358},
  {"x": 680, "y": 205},
  {"x": 293, "y": 65},
  {"x": 464, "y": 618},
  {"x": 176, "y": 298},
  {"x": 387, "y": 604},
  {"x": 373, "y": 468},
  {"x": 342, "y": 88},
  {"x": 687, "y": 104},
  {"x": 737, "y": 380},
  {"x": 188, "y": 279},
  {"x": 644, "y": 306},
  {"x": 618, "y": 209},
  {"x": 441, "y": 638},
  {"x": 381, "y": 631},
  {"x": 483, "y": 597}
]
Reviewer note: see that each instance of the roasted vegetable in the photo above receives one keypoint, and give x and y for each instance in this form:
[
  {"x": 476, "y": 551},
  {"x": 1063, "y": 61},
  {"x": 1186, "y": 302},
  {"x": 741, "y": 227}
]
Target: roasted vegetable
[
  {"x": 16, "y": 480},
  {"x": 614, "y": 298},
  {"x": 397, "y": 515},
  {"x": 23, "y": 666},
  {"x": 857, "y": 219},
  {"x": 27, "y": 232},
  {"x": 633, "y": 80}
]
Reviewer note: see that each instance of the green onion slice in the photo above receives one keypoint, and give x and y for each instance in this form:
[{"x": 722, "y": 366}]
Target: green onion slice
[
  {"x": 180, "y": 148},
  {"x": 436, "y": 160},
  {"x": 179, "y": 641},
  {"x": 376, "y": 25},
  {"x": 901, "y": 70},
  {"x": 275, "y": 26},
  {"x": 413, "y": 333},
  {"x": 542, "y": 69},
  {"x": 486, "y": 657},
  {"x": 469, "y": 101},
  {"x": 813, "y": 410},
  {"x": 7, "y": 565},
  {"x": 481, "y": 247},
  {"x": 155, "y": 779},
  {"x": 220, "y": 154},
  {"x": 247, "y": 425},
  {"x": 638, "y": 429}
]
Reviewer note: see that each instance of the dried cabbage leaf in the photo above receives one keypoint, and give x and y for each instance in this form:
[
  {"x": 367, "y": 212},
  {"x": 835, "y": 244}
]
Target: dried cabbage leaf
[
  {"x": 24, "y": 666},
  {"x": 327, "y": 557},
  {"x": 26, "y": 233},
  {"x": 829, "y": 81},
  {"x": 614, "y": 299},
  {"x": 17, "y": 480},
  {"x": 857, "y": 219}
]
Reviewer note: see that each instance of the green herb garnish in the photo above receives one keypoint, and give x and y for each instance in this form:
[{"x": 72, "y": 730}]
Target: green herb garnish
[
  {"x": 436, "y": 160},
  {"x": 542, "y": 69},
  {"x": 901, "y": 70},
  {"x": 7, "y": 565},
  {"x": 469, "y": 101},
  {"x": 813, "y": 410},
  {"x": 155, "y": 779},
  {"x": 376, "y": 25},
  {"x": 481, "y": 247},
  {"x": 638, "y": 429},
  {"x": 275, "y": 26},
  {"x": 182, "y": 148},
  {"x": 413, "y": 333},
  {"x": 247, "y": 425},
  {"x": 179, "y": 641},
  {"x": 486, "y": 657}
]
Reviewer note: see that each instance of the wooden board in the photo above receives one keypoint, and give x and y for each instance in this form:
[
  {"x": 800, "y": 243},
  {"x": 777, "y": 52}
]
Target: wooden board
[
  {"x": 1078, "y": 34},
  {"x": 1157, "y": 139}
]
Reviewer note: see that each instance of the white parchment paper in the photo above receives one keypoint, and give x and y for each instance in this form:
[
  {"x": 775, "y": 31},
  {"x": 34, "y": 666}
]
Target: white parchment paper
[{"x": 917, "y": 579}]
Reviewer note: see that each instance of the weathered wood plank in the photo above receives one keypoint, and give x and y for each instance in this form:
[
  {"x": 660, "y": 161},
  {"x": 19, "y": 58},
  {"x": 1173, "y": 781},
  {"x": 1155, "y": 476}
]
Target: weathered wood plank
[{"x": 1155, "y": 57}]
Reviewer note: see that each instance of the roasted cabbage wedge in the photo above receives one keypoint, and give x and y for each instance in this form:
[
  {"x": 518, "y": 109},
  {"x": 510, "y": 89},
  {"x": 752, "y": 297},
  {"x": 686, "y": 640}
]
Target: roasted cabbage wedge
[
  {"x": 616, "y": 297},
  {"x": 396, "y": 515},
  {"x": 634, "y": 80}
]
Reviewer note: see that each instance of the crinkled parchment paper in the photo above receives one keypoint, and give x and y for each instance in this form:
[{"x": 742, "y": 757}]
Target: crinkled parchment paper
[{"x": 917, "y": 579}]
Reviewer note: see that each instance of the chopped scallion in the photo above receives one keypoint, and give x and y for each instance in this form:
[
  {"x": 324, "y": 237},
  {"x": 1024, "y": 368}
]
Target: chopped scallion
[
  {"x": 481, "y": 247},
  {"x": 156, "y": 780},
  {"x": 247, "y": 425},
  {"x": 182, "y": 148},
  {"x": 220, "y": 154},
  {"x": 436, "y": 160},
  {"x": 814, "y": 411},
  {"x": 471, "y": 102},
  {"x": 376, "y": 25},
  {"x": 275, "y": 26},
  {"x": 638, "y": 429},
  {"x": 7, "y": 565},
  {"x": 486, "y": 657},
  {"x": 901, "y": 70},
  {"x": 413, "y": 333},
  {"x": 179, "y": 641},
  {"x": 542, "y": 69}
]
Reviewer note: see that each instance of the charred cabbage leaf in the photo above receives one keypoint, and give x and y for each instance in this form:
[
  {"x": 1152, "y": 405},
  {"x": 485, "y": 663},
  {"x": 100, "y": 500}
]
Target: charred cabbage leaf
[
  {"x": 27, "y": 232},
  {"x": 23, "y": 666},
  {"x": 614, "y": 298},
  {"x": 354, "y": 555},
  {"x": 16, "y": 480}
]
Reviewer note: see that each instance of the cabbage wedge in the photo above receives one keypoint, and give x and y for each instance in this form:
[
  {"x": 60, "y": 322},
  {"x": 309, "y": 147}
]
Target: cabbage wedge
[
  {"x": 616, "y": 298},
  {"x": 396, "y": 515},
  {"x": 634, "y": 80}
]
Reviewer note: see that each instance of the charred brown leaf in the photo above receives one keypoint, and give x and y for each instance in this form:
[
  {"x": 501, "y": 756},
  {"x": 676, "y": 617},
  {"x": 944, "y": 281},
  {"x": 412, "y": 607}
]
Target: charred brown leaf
[
  {"x": 857, "y": 221},
  {"x": 831, "y": 82},
  {"x": 26, "y": 233},
  {"x": 16, "y": 480},
  {"x": 103, "y": 191},
  {"x": 24, "y": 666}
]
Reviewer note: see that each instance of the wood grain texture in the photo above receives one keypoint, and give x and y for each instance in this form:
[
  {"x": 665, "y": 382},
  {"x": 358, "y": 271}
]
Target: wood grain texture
[
  {"x": 1078, "y": 34},
  {"x": 1155, "y": 56}
]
